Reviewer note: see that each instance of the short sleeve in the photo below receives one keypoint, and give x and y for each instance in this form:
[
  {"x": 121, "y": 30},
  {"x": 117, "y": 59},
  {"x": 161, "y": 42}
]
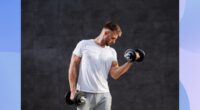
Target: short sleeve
[
  {"x": 78, "y": 49},
  {"x": 114, "y": 54}
]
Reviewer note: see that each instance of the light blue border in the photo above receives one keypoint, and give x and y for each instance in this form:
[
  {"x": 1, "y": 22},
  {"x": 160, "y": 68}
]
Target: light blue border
[
  {"x": 10, "y": 58},
  {"x": 10, "y": 44}
]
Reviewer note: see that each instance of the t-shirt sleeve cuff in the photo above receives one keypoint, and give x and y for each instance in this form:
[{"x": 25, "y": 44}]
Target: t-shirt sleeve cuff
[{"x": 77, "y": 54}]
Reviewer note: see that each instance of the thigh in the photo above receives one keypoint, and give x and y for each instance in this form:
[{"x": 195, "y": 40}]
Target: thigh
[{"x": 105, "y": 102}]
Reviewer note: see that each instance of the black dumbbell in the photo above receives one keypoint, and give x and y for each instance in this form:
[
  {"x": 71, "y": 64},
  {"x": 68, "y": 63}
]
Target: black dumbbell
[
  {"x": 130, "y": 55},
  {"x": 79, "y": 98}
]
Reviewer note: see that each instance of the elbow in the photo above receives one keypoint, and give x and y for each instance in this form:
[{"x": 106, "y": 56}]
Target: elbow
[{"x": 115, "y": 77}]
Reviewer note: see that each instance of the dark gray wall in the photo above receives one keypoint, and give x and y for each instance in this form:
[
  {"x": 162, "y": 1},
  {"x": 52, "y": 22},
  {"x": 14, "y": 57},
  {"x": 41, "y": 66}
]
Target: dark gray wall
[{"x": 52, "y": 28}]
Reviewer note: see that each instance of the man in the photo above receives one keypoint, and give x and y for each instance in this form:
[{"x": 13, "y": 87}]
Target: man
[{"x": 96, "y": 60}]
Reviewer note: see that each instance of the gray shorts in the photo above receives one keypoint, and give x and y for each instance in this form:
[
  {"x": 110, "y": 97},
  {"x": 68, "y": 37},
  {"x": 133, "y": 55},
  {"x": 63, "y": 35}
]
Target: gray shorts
[{"x": 96, "y": 101}]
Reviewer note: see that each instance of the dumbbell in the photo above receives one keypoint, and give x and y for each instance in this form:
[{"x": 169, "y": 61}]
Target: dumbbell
[
  {"x": 130, "y": 55},
  {"x": 79, "y": 98}
]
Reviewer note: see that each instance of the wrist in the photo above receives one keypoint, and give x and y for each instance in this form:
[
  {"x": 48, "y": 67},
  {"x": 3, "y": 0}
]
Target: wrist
[{"x": 73, "y": 89}]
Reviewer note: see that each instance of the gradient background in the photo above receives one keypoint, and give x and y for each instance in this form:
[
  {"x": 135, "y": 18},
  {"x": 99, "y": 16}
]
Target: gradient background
[{"x": 10, "y": 55}]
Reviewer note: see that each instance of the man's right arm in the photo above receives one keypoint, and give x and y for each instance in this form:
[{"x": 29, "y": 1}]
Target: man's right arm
[{"x": 74, "y": 63}]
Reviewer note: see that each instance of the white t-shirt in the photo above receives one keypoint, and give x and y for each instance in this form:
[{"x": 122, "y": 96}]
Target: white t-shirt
[{"x": 94, "y": 66}]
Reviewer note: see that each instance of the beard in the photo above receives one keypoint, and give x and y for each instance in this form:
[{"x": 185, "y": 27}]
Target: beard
[
  {"x": 109, "y": 44},
  {"x": 106, "y": 43}
]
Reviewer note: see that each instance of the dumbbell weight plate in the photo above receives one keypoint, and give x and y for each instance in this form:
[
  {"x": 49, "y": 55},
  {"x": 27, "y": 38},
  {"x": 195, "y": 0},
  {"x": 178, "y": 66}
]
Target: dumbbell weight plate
[
  {"x": 141, "y": 53},
  {"x": 79, "y": 98}
]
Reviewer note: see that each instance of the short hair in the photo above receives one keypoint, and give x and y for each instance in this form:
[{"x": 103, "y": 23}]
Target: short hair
[{"x": 113, "y": 27}]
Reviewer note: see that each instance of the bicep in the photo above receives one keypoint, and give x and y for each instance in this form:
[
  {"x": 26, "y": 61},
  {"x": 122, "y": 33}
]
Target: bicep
[
  {"x": 75, "y": 59},
  {"x": 114, "y": 66}
]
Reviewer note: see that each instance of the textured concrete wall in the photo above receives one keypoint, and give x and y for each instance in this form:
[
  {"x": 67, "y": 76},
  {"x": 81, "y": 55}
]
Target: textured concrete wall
[{"x": 52, "y": 28}]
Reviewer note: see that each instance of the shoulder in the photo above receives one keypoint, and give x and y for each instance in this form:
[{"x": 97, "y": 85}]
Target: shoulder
[
  {"x": 112, "y": 49},
  {"x": 83, "y": 42}
]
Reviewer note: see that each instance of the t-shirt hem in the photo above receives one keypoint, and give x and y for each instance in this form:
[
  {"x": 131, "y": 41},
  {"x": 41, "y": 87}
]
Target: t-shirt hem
[{"x": 93, "y": 91}]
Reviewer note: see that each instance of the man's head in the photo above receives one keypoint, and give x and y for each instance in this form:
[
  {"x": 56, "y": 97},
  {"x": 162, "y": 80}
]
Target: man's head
[{"x": 111, "y": 32}]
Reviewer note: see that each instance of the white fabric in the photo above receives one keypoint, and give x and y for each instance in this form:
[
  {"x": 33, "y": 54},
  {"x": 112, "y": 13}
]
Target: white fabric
[{"x": 95, "y": 66}]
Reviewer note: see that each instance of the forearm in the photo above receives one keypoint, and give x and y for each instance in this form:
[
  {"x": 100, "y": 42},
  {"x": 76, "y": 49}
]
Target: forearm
[
  {"x": 119, "y": 71},
  {"x": 72, "y": 78}
]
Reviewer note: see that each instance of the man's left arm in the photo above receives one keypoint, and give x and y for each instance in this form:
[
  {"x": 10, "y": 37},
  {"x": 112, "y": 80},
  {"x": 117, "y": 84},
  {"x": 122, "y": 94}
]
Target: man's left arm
[
  {"x": 131, "y": 55},
  {"x": 117, "y": 71}
]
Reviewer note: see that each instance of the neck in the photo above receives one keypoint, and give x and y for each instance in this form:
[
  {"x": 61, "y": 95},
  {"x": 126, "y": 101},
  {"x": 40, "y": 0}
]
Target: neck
[{"x": 100, "y": 41}]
